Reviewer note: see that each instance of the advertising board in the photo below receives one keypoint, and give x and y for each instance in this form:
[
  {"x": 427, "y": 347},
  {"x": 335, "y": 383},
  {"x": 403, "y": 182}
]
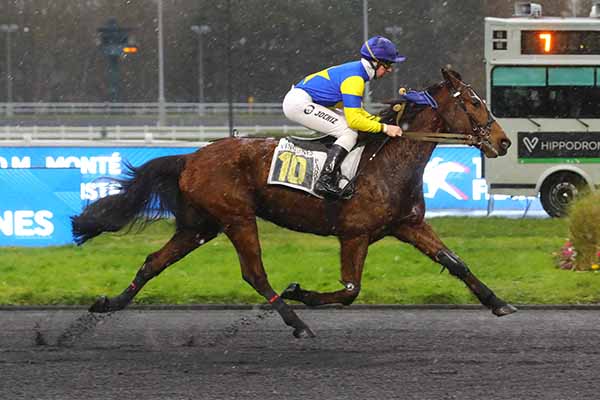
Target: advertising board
[{"x": 43, "y": 186}]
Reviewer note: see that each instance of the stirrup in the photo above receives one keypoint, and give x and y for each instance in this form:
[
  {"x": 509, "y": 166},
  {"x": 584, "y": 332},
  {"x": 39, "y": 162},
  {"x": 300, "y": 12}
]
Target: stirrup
[
  {"x": 337, "y": 194},
  {"x": 347, "y": 191},
  {"x": 327, "y": 190}
]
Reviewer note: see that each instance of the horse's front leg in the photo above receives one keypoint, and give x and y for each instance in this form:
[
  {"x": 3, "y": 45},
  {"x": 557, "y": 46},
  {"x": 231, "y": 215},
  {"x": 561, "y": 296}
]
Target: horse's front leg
[
  {"x": 426, "y": 240},
  {"x": 353, "y": 254}
]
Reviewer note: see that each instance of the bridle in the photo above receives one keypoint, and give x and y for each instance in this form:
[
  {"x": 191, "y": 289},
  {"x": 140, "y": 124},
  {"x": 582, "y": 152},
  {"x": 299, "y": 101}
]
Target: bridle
[{"x": 481, "y": 134}]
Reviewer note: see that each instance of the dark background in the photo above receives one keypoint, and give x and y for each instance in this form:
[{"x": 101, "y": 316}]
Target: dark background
[{"x": 274, "y": 43}]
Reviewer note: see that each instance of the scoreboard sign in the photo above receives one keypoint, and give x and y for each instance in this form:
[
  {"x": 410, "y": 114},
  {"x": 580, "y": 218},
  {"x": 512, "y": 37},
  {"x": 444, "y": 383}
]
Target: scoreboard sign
[{"x": 560, "y": 42}]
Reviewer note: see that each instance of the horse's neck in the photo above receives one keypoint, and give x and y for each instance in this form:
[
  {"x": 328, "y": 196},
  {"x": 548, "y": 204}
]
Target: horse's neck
[{"x": 417, "y": 152}]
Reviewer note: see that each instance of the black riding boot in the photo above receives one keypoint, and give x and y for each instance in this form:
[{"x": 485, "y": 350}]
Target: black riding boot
[{"x": 327, "y": 185}]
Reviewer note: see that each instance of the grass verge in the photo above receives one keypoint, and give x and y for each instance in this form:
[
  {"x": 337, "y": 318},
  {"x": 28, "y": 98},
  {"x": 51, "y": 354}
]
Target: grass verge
[{"x": 512, "y": 256}]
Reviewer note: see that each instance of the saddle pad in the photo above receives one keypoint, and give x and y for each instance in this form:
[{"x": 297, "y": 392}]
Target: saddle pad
[{"x": 300, "y": 168}]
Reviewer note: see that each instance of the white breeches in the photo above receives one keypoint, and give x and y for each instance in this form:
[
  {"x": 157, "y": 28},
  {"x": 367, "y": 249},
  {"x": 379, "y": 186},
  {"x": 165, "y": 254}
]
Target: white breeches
[{"x": 299, "y": 107}]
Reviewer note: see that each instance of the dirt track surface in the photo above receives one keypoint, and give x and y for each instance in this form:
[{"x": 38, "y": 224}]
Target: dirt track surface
[{"x": 251, "y": 354}]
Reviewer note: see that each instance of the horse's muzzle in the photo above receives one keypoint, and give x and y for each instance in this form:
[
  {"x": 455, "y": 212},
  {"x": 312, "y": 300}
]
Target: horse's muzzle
[
  {"x": 503, "y": 147},
  {"x": 505, "y": 144}
]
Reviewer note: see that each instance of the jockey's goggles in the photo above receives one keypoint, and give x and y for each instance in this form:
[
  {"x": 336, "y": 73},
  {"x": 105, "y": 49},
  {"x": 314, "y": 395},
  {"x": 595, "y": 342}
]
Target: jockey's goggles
[{"x": 386, "y": 64}]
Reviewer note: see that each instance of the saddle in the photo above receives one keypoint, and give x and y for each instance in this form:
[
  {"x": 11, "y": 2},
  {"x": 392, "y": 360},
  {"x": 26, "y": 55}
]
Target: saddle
[
  {"x": 298, "y": 162},
  {"x": 324, "y": 142},
  {"x": 320, "y": 143}
]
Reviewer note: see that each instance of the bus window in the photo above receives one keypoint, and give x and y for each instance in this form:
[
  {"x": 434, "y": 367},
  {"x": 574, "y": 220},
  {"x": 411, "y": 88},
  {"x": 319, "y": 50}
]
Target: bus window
[
  {"x": 571, "y": 76},
  {"x": 545, "y": 92},
  {"x": 519, "y": 76},
  {"x": 591, "y": 102}
]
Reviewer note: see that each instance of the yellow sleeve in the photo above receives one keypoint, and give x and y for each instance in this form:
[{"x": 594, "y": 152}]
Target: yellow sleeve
[{"x": 358, "y": 118}]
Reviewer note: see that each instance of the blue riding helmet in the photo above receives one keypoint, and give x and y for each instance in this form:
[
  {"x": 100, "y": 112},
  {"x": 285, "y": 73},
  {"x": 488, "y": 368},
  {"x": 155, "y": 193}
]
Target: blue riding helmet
[{"x": 380, "y": 49}]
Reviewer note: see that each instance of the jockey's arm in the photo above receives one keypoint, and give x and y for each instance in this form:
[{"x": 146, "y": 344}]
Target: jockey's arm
[{"x": 358, "y": 118}]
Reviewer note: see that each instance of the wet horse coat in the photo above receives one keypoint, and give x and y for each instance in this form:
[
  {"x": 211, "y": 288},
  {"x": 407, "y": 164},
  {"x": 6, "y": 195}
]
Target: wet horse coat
[{"x": 222, "y": 188}]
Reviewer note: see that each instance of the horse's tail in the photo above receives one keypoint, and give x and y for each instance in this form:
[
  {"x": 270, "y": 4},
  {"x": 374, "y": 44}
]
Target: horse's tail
[{"x": 150, "y": 192}]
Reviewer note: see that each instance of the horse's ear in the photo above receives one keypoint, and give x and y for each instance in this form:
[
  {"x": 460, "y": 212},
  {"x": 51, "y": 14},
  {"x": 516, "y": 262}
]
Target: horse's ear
[
  {"x": 445, "y": 74},
  {"x": 451, "y": 77},
  {"x": 456, "y": 75}
]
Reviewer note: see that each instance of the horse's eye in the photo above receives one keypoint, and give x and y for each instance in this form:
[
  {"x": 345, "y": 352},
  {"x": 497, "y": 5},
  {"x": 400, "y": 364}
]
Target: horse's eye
[{"x": 475, "y": 102}]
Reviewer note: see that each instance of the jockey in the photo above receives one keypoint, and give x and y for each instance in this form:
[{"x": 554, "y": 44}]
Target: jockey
[{"x": 331, "y": 102}]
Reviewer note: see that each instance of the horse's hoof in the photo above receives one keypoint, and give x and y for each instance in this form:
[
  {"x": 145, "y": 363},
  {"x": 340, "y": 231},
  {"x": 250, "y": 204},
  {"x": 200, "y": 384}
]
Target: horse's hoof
[
  {"x": 303, "y": 333},
  {"x": 504, "y": 310},
  {"x": 101, "y": 305},
  {"x": 292, "y": 292}
]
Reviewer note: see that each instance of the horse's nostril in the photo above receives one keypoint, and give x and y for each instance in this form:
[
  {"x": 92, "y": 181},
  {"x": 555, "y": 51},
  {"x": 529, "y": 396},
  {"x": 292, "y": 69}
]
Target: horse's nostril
[{"x": 505, "y": 143}]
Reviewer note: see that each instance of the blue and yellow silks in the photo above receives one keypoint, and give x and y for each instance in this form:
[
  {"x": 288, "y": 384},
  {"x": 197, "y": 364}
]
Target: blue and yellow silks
[{"x": 343, "y": 86}]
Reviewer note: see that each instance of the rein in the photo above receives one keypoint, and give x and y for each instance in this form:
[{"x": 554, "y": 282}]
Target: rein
[
  {"x": 438, "y": 137},
  {"x": 441, "y": 137}
]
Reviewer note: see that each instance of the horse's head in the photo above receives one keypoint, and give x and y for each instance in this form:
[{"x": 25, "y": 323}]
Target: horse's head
[{"x": 464, "y": 111}]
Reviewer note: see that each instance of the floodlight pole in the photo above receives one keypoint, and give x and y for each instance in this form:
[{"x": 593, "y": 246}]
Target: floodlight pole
[
  {"x": 395, "y": 32},
  {"x": 229, "y": 71},
  {"x": 200, "y": 30},
  {"x": 8, "y": 29},
  {"x": 161, "y": 70},
  {"x": 367, "y": 97}
]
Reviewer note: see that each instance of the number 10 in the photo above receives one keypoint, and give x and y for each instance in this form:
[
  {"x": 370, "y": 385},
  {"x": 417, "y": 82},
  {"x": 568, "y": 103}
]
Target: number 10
[{"x": 293, "y": 167}]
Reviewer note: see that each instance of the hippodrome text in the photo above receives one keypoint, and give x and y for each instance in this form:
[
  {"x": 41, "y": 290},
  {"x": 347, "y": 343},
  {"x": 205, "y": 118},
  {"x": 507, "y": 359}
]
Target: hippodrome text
[{"x": 570, "y": 145}]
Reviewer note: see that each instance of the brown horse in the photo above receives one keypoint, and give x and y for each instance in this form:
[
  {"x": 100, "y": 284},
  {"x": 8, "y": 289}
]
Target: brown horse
[{"x": 223, "y": 188}]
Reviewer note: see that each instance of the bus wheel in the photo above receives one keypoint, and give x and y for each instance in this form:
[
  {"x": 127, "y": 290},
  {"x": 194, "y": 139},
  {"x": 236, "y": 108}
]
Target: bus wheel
[{"x": 559, "y": 190}]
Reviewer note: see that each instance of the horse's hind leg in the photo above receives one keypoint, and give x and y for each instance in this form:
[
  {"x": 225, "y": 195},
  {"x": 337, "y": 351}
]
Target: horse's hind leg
[
  {"x": 175, "y": 249},
  {"x": 243, "y": 233},
  {"x": 426, "y": 240},
  {"x": 353, "y": 254}
]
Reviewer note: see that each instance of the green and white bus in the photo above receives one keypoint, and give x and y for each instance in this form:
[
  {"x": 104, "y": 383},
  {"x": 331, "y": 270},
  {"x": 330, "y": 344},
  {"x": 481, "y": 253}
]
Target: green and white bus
[{"x": 543, "y": 87}]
